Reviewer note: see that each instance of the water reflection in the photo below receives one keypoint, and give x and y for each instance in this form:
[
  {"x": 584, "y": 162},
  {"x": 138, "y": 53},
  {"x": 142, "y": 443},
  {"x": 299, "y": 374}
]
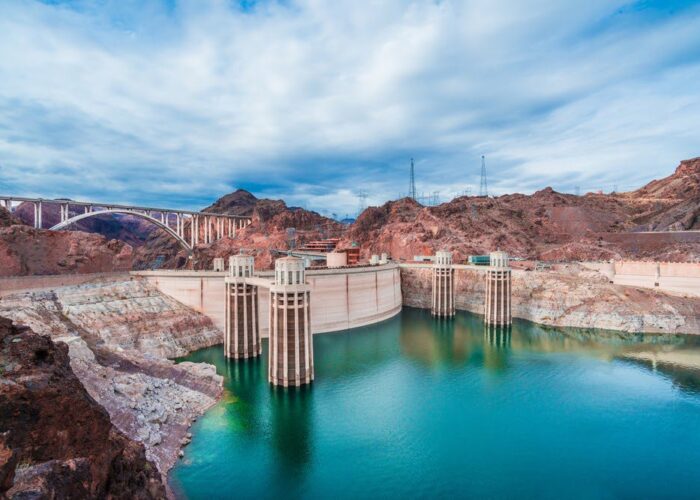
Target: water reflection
[
  {"x": 497, "y": 340},
  {"x": 375, "y": 418},
  {"x": 438, "y": 342}
]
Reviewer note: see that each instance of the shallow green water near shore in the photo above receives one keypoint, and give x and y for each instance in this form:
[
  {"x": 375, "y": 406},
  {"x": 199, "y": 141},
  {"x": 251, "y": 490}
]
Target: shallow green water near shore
[{"x": 417, "y": 407}]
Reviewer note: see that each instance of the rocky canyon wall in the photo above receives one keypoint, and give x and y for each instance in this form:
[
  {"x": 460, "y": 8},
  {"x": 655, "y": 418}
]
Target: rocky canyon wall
[
  {"x": 119, "y": 336},
  {"x": 28, "y": 251},
  {"x": 55, "y": 440},
  {"x": 571, "y": 296}
]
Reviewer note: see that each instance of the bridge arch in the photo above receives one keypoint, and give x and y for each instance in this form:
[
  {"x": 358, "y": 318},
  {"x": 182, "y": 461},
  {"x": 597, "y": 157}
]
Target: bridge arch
[{"x": 123, "y": 211}]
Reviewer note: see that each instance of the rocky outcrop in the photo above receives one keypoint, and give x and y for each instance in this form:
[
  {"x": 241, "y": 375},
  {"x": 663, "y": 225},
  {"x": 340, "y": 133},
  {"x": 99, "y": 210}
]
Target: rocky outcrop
[
  {"x": 28, "y": 251},
  {"x": 672, "y": 203},
  {"x": 240, "y": 202},
  {"x": 7, "y": 219},
  {"x": 55, "y": 440},
  {"x": 545, "y": 225},
  {"x": 567, "y": 297},
  {"x": 119, "y": 336},
  {"x": 267, "y": 233}
]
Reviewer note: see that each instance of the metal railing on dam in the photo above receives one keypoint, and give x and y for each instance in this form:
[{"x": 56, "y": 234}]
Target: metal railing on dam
[{"x": 340, "y": 298}]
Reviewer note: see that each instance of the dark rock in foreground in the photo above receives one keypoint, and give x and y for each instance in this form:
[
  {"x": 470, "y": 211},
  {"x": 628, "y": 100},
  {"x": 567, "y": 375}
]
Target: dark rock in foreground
[{"x": 55, "y": 440}]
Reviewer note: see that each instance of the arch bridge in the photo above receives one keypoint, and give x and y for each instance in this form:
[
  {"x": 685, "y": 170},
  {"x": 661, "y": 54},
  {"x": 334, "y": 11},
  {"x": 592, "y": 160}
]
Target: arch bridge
[{"x": 189, "y": 228}]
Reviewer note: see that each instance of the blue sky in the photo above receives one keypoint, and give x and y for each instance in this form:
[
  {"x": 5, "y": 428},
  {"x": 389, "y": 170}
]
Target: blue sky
[{"x": 176, "y": 103}]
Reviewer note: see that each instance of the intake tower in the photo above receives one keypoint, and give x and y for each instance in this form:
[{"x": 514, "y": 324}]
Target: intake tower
[
  {"x": 291, "y": 354},
  {"x": 443, "y": 304},
  {"x": 242, "y": 336},
  {"x": 498, "y": 278}
]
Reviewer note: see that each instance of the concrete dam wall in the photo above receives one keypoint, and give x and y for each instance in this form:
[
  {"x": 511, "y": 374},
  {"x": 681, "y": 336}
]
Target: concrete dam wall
[{"x": 340, "y": 298}]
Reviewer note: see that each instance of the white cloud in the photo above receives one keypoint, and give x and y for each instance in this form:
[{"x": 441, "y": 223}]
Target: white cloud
[{"x": 140, "y": 103}]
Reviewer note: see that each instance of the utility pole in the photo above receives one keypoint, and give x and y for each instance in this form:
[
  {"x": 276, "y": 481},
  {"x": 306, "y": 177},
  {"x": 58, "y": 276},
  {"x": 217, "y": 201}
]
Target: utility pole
[
  {"x": 412, "y": 183},
  {"x": 483, "y": 188}
]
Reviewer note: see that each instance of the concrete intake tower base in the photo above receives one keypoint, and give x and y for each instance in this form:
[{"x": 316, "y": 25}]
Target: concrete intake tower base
[
  {"x": 291, "y": 353},
  {"x": 242, "y": 333}
]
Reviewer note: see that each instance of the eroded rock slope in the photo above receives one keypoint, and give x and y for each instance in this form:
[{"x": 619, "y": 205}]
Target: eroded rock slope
[
  {"x": 120, "y": 335},
  {"x": 55, "y": 440}
]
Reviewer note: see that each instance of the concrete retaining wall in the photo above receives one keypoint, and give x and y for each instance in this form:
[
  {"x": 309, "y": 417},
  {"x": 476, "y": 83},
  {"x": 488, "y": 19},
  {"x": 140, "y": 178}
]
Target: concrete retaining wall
[
  {"x": 676, "y": 277},
  {"x": 340, "y": 298}
]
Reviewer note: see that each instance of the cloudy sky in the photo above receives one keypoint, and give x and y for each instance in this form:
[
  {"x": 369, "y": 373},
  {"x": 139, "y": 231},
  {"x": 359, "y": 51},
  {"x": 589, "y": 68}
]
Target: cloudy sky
[{"x": 176, "y": 103}]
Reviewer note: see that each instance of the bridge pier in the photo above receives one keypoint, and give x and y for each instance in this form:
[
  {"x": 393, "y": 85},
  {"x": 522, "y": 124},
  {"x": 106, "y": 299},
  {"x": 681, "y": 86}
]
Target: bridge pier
[
  {"x": 64, "y": 212},
  {"x": 291, "y": 354},
  {"x": 242, "y": 335},
  {"x": 37, "y": 215}
]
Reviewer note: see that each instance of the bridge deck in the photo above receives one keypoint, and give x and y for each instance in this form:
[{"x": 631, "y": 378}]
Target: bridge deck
[{"x": 64, "y": 201}]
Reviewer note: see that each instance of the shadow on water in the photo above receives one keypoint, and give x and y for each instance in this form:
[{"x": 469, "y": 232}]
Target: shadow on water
[
  {"x": 348, "y": 353},
  {"x": 291, "y": 425},
  {"x": 244, "y": 381}
]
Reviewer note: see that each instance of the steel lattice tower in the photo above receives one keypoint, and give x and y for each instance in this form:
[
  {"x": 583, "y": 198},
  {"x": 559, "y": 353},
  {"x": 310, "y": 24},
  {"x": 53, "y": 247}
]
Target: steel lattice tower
[
  {"x": 483, "y": 188},
  {"x": 412, "y": 183}
]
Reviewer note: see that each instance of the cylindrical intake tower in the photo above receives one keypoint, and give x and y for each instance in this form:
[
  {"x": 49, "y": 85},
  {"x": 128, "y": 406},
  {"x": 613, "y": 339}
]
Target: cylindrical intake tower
[
  {"x": 242, "y": 336},
  {"x": 497, "y": 308},
  {"x": 291, "y": 350},
  {"x": 443, "y": 285}
]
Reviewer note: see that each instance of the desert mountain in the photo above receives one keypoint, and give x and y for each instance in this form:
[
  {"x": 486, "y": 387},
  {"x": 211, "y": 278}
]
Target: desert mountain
[
  {"x": 656, "y": 221},
  {"x": 545, "y": 225}
]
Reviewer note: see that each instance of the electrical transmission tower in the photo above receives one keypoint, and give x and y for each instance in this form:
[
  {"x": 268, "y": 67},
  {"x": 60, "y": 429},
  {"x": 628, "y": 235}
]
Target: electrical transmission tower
[
  {"x": 483, "y": 188},
  {"x": 412, "y": 183},
  {"x": 362, "y": 196}
]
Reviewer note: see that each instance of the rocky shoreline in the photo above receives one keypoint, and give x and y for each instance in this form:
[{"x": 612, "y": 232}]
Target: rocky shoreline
[
  {"x": 120, "y": 336},
  {"x": 570, "y": 296}
]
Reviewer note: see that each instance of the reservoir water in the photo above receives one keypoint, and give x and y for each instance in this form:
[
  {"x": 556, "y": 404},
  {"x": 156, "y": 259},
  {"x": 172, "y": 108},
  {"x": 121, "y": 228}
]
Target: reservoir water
[{"x": 416, "y": 407}]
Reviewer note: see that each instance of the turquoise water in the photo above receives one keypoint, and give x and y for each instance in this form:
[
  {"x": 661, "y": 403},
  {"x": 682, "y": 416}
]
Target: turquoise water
[{"x": 417, "y": 407}]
